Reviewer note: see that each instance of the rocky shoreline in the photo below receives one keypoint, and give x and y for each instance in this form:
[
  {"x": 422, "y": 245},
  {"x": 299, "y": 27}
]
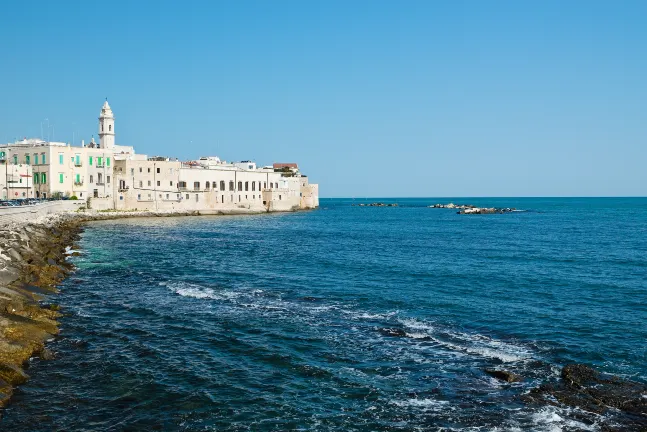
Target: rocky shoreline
[{"x": 33, "y": 261}]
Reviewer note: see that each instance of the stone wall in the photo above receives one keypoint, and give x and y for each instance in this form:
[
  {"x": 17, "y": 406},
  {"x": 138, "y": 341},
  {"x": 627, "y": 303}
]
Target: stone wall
[{"x": 33, "y": 212}]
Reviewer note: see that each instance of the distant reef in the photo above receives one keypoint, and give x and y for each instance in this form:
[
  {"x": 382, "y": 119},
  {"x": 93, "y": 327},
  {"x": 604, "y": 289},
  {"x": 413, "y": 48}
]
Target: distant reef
[{"x": 474, "y": 210}]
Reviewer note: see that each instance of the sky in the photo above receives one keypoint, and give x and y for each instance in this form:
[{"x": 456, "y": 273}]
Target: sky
[{"x": 371, "y": 98}]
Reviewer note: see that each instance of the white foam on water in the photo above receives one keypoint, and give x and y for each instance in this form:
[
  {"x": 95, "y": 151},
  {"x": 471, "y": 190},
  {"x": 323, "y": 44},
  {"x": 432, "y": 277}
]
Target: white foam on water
[
  {"x": 423, "y": 404},
  {"x": 554, "y": 419},
  {"x": 186, "y": 289},
  {"x": 474, "y": 344}
]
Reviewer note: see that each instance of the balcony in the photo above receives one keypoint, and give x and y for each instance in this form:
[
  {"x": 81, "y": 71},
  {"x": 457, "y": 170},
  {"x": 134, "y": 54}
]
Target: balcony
[
  {"x": 124, "y": 189},
  {"x": 100, "y": 183},
  {"x": 101, "y": 165},
  {"x": 78, "y": 164},
  {"x": 78, "y": 183}
]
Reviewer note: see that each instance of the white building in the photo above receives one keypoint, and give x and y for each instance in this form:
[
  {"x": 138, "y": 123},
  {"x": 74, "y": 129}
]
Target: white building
[{"x": 114, "y": 176}]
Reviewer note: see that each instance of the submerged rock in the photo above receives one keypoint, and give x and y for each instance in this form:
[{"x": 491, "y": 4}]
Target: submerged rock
[
  {"x": 504, "y": 375},
  {"x": 393, "y": 332}
]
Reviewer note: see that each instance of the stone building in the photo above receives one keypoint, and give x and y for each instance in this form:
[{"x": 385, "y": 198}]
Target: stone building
[{"x": 115, "y": 177}]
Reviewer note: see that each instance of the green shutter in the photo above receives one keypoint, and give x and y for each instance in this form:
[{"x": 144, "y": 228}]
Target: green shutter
[
  {"x": 36, "y": 159},
  {"x": 15, "y": 159},
  {"x": 44, "y": 160},
  {"x": 60, "y": 159},
  {"x": 36, "y": 178},
  {"x": 27, "y": 159},
  {"x": 60, "y": 178},
  {"x": 44, "y": 179},
  {"x": 78, "y": 178},
  {"x": 108, "y": 161},
  {"x": 90, "y": 160}
]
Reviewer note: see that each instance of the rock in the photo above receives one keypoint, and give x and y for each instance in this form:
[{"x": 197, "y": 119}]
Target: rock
[
  {"x": 585, "y": 388},
  {"x": 503, "y": 375},
  {"x": 12, "y": 374},
  {"x": 393, "y": 332}
]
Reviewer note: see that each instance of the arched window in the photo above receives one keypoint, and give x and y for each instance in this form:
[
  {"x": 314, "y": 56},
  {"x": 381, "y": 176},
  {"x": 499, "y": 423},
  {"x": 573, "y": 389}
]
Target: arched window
[
  {"x": 101, "y": 127},
  {"x": 206, "y": 185},
  {"x": 231, "y": 186},
  {"x": 246, "y": 186},
  {"x": 253, "y": 186},
  {"x": 213, "y": 185},
  {"x": 109, "y": 128},
  {"x": 196, "y": 185},
  {"x": 222, "y": 186},
  {"x": 240, "y": 187}
]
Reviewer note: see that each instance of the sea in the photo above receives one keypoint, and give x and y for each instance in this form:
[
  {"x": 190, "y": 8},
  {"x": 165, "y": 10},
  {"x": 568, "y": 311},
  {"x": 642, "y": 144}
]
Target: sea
[{"x": 344, "y": 318}]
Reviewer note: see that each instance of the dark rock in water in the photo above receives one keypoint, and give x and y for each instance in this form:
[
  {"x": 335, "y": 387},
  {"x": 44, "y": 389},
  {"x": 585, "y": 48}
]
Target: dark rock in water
[
  {"x": 583, "y": 387},
  {"x": 504, "y": 375},
  {"x": 309, "y": 298},
  {"x": 393, "y": 332}
]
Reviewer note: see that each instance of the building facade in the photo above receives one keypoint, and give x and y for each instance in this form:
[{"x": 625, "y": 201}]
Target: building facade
[{"x": 114, "y": 176}]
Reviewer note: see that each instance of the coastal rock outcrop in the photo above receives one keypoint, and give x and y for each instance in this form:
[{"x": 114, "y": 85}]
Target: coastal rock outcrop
[
  {"x": 503, "y": 375},
  {"x": 376, "y": 204},
  {"x": 585, "y": 388},
  {"x": 472, "y": 209}
]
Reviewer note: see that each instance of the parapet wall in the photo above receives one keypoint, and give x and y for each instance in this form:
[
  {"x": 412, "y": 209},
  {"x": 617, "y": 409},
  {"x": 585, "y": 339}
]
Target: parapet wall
[{"x": 33, "y": 212}]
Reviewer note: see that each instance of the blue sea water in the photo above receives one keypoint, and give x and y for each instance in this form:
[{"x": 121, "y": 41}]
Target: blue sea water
[{"x": 344, "y": 318}]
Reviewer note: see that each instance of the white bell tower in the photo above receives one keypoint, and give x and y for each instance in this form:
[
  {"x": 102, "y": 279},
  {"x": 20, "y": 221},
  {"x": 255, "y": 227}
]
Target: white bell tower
[{"x": 106, "y": 127}]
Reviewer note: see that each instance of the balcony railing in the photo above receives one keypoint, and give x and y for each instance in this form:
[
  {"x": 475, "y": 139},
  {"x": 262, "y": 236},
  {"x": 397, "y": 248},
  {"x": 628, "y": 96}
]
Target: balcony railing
[
  {"x": 78, "y": 183},
  {"x": 101, "y": 165},
  {"x": 78, "y": 163},
  {"x": 100, "y": 183},
  {"x": 124, "y": 189}
]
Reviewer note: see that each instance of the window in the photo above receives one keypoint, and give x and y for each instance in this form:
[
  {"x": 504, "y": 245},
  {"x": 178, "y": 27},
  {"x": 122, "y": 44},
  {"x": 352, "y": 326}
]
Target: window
[
  {"x": 196, "y": 197},
  {"x": 222, "y": 198},
  {"x": 43, "y": 178},
  {"x": 141, "y": 183},
  {"x": 101, "y": 127},
  {"x": 27, "y": 159},
  {"x": 187, "y": 196},
  {"x": 99, "y": 161},
  {"x": 279, "y": 197},
  {"x": 253, "y": 196},
  {"x": 149, "y": 182},
  {"x": 90, "y": 160},
  {"x": 158, "y": 183},
  {"x": 140, "y": 169},
  {"x": 231, "y": 186},
  {"x": 35, "y": 158},
  {"x": 259, "y": 186},
  {"x": 167, "y": 195},
  {"x": 149, "y": 170},
  {"x": 108, "y": 161},
  {"x": 158, "y": 170},
  {"x": 253, "y": 186},
  {"x": 264, "y": 185},
  {"x": 77, "y": 159},
  {"x": 15, "y": 159},
  {"x": 91, "y": 178},
  {"x": 60, "y": 178},
  {"x": 108, "y": 179},
  {"x": 222, "y": 185},
  {"x": 240, "y": 186},
  {"x": 81, "y": 194},
  {"x": 35, "y": 178},
  {"x": 238, "y": 198},
  {"x": 132, "y": 171},
  {"x": 60, "y": 158},
  {"x": 246, "y": 186},
  {"x": 43, "y": 158},
  {"x": 213, "y": 185},
  {"x": 196, "y": 185},
  {"x": 206, "y": 185},
  {"x": 109, "y": 130},
  {"x": 171, "y": 183},
  {"x": 78, "y": 179}
]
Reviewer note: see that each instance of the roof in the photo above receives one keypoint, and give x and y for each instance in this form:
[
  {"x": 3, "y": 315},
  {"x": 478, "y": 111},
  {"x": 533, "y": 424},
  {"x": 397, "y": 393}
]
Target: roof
[{"x": 284, "y": 165}]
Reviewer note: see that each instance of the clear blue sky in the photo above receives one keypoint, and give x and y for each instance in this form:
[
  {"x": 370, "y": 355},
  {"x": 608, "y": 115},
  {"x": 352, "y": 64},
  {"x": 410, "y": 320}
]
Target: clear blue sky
[{"x": 371, "y": 98}]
